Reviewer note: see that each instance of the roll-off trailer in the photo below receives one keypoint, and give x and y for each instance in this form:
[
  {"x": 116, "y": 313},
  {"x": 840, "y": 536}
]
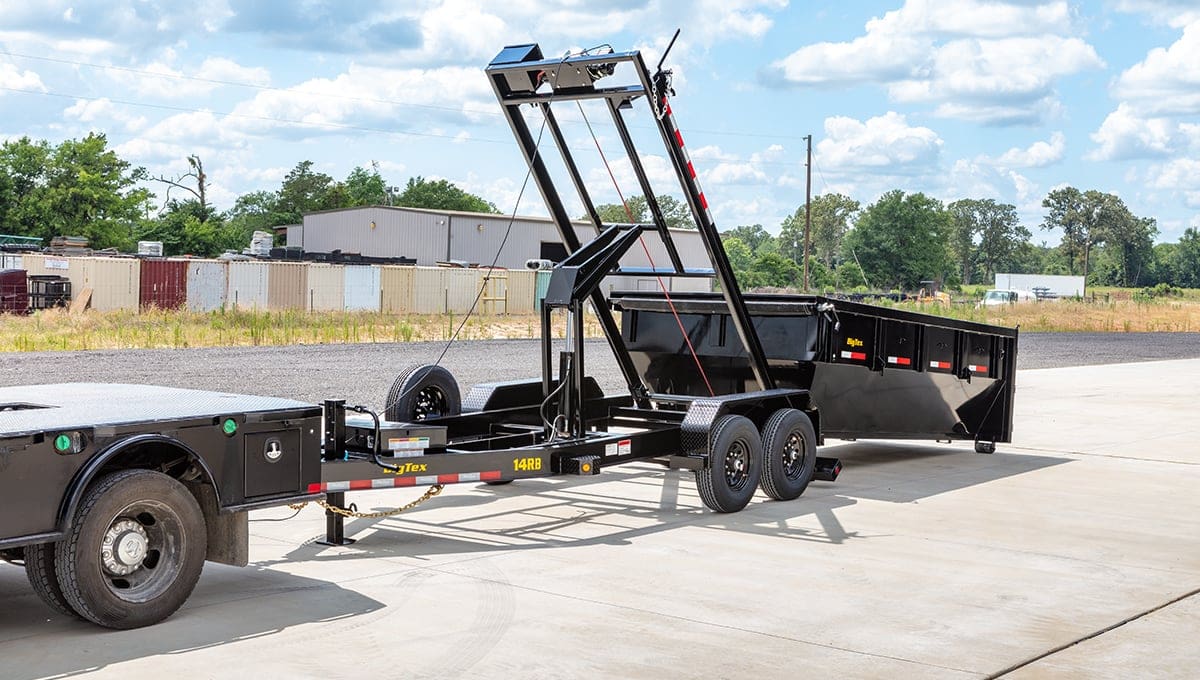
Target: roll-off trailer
[{"x": 115, "y": 495}]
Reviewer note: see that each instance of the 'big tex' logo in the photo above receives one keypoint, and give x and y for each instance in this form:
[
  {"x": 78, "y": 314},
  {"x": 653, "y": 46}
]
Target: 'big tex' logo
[
  {"x": 406, "y": 468},
  {"x": 854, "y": 342}
]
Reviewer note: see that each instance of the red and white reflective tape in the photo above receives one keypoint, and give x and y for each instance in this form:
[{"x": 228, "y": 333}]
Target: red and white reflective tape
[
  {"x": 976, "y": 368},
  {"x": 687, "y": 160},
  {"x": 393, "y": 482},
  {"x": 945, "y": 365},
  {"x": 854, "y": 356},
  {"x": 900, "y": 361}
]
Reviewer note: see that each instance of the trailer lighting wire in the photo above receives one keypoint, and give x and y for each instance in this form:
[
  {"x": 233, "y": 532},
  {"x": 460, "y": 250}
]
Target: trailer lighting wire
[{"x": 662, "y": 286}]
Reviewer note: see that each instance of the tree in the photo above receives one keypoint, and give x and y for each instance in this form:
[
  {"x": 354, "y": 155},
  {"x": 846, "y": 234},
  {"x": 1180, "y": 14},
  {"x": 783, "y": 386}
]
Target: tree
[
  {"x": 24, "y": 165},
  {"x": 441, "y": 195},
  {"x": 1187, "y": 259},
  {"x": 830, "y": 216},
  {"x": 987, "y": 232},
  {"x": 753, "y": 236},
  {"x": 90, "y": 192},
  {"x": 901, "y": 240},
  {"x": 740, "y": 258},
  {"x": 675, "y": 212},
  {"x": 364, "y": 188},
  {"x": 189, "y": 228},
  {"x": 1066, "y": 211},
  {"x": 634, "y": 211},
  {"x": 199, "y": 192},
  {"x": 775, "y": 271},
  {"x": 304, "y": 191},
  {"x": 255, "y": 211}
]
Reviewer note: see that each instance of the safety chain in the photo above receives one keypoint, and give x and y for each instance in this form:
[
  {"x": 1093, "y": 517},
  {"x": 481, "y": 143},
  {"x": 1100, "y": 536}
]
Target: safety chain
[{"x": 344, "y": 512}]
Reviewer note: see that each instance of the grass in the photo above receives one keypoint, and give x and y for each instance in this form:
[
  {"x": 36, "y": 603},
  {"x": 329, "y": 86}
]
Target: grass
[
  {"x": 1112, "y": 310},
  {"x": 1120, "y": 311},
  {"x": 56, "y": 329}
]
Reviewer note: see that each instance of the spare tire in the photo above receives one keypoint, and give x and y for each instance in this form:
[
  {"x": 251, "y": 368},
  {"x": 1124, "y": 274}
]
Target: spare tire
[{"x": 423, "y": 392}]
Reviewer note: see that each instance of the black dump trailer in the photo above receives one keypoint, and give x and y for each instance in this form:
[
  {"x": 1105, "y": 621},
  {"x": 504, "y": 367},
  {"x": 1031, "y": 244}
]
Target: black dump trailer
[{"x": 113, "y": 496}]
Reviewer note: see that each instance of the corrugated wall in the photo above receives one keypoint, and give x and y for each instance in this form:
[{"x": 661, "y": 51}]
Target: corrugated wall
[
  {"x": 326, "y": 287},
  {"x": 114, "y": 282},
  {"x": 362, "y": 288},
  {"x": 207, "y": 283},
  {"x": 287, "y": 285},
  {"x": 377, "y": 232},
  {"x": 9, "y": 261},
  {"x": 163, "y": 284},
  {"x": 396, "y": 289},
  {"x": 522, "y": 289},
  {"x": 429, "y": 290},
  {"x": 248, "y": 285}
]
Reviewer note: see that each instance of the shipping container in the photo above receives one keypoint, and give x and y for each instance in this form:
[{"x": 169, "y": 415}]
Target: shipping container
[
  {"x": 326, "y": 287},
  {"x": 541, "y": 285},
  {"x": 429, "y": 290},
  {"x": 14, "y": 291},
  {"x": 461, "y": 286},
  {"x": 521, "y": 288},
  {"x": 396, "y": 289},
  {"x": 207, "y": 283},
  {"x": 248, "y": 285},
  {"x": 10, "y": 261},
  {"x": 287, "y": 285},
  {"x": 114, "y": 282},
  {"x": 163, "y": 284},
  {"x": 362, "y": 288}
]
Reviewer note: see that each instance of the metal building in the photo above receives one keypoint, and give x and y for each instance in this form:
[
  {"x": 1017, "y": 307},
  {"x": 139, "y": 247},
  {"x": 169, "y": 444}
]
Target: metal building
[{"x": 433, "y": 236}]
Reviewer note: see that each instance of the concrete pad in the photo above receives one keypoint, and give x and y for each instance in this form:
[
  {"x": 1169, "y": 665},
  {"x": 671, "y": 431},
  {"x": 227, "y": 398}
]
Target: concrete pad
[{"x": 923, "y": 560}]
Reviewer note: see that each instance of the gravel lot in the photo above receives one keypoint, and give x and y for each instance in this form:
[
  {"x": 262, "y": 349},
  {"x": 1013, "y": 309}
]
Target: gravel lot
[{"x": 363, "y": 373}]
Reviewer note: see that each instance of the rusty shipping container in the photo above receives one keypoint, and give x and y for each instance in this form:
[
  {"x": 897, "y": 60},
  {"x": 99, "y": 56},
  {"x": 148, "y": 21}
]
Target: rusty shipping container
[
  {"x": 163, "y": 284},
  {"x": 287, "y": 285}
]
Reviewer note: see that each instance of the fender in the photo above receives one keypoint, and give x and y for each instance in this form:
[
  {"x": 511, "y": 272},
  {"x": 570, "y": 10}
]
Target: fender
[{"x": 86, "y": 474}]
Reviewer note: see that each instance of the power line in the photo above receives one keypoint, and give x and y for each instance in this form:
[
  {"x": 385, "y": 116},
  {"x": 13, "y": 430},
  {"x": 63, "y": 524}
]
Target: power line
[{"x": 372, "y": 100}]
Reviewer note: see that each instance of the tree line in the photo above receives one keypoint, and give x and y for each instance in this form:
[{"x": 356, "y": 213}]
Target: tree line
[
  {"x": 903, "y": 239},
  {"x": 83, "y": 188}
]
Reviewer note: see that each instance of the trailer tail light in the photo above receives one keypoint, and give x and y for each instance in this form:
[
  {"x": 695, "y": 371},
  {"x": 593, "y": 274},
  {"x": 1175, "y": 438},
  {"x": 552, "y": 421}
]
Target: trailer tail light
[
  {"x": 229, "y": 427},
  {"x": 944, "y": 365},
  {"x": 854, "y": 356}
]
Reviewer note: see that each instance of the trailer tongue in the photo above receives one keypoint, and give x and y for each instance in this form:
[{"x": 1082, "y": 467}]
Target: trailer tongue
[{"x": 116, "y": 494}]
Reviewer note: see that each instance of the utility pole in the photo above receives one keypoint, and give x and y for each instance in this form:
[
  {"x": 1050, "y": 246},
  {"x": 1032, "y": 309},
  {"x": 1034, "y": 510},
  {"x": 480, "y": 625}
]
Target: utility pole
[{"x": 807, "y": 208}]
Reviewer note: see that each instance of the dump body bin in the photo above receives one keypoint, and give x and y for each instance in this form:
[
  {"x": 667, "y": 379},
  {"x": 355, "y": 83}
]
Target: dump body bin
[
  {"x": 14, "y": 292},
  {"x": 873, "y": 372}
]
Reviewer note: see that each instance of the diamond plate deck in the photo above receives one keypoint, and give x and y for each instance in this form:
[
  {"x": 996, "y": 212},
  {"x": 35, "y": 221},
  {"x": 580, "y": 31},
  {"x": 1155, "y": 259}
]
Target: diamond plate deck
[{"x": 82, "y": 405}]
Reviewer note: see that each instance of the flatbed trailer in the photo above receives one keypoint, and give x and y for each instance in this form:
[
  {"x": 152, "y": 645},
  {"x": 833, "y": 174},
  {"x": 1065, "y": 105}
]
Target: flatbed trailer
[{"x": 115, "y": 495}]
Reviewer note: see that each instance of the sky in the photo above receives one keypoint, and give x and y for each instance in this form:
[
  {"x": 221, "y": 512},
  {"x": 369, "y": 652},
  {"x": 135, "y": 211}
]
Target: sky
[{"x": 954, "y": 98}]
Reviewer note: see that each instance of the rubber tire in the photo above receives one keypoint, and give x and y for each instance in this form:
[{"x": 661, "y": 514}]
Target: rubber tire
[
  {"x": 775, "y": 433},
  {"x": 39, "y": 567},
  {"x": 401, "y": 404},
  {"x": 79, "y": 568},
  {"x": 502, "y": 482},
  {"x": 711, "y": 480}
]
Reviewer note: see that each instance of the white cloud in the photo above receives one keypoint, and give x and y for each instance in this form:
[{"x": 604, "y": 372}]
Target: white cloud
[
  {"x": 102, "y": 111},
  {"x": 160, "y": 80},
  {"x": 11, "y": 77},
  {"x": 1037, "y": 155},
  {"x": 1174, "y": 13},
  {"x": 885, "y": 144},
  {"x": 991, "y": 62},
  {"x": 220, "y": 68},
  {"x": 1167, "y": 81},
  {"x": 1125, "y": 134}
]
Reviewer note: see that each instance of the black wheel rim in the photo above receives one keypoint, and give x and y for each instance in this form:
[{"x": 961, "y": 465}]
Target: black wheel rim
[
  {"x": 793, "y": 456},
  {"x": 430, "y": 403},
  {"x": 737, "y": 465},
  {"x": 142, "y": 551}
]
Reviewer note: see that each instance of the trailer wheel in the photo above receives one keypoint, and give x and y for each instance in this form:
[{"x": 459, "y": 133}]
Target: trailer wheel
[
  {"x": 982, "y": 446},
  {"x": 421, "y": 392},
  {"x": 789, "y": 454},
  {"x": 135, "y": 552},
  {"x": 734, "y": 456},
  {"x": 39, "y": 567}
]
